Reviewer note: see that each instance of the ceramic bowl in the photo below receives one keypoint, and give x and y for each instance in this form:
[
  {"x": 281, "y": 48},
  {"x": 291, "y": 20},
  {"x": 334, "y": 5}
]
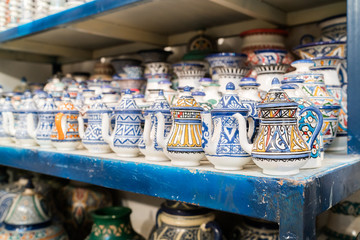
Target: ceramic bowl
[
  {"x": 321, "y": 49},
  {"x": 118, "y": 64},
  {"x": 157, "y": 68},
  {"x": 226, "y": 60},
  {"x": 334, "y": 28},
  {"x": 154, "y": 55},
  {"x": 129, "y": 83},
  {"x": 134, "y": 72},
  {"x": 184, "y": 66},
  {"x": 270, "y": 56}
]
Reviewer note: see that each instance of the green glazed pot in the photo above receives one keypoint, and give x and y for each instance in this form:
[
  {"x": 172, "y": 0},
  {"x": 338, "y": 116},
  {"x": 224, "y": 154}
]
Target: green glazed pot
[{"x": 112, "y": 223}]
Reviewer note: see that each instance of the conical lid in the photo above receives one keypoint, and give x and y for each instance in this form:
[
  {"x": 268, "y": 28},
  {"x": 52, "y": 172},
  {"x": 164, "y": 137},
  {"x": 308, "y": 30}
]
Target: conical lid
[
  {"x": 7, "y": 106},
  {"x": 66, "y": 103},
  {"x": 28, "y": 104},
  {"x": 49, "y": 104},
  {"x": 98, "y": 106},
  {"x": 276, "y": 97},
  {"x": 230, "y": 102},
  {"x": 187, "y": 102},
  {"x": 127, "y": 103},
  {"x": 160, "y": 104},
  {"x": 28, "y": 209}
]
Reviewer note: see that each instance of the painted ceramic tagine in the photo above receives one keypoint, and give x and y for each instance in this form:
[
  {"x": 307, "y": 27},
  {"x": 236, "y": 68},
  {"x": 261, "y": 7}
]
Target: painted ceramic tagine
[
  {"x": 46, "y": 122},
  {"x": 28, "y": 218},
  {"x": 65, "y": 134},
  {"x": 315, "y": 90},
  {"x": 125, "y": 137},
  {"x": 278, "y": 148},
  {"x": 308, "y": 121},
  {"x": 152, "y": 150},
  {"x": 220, "y": 134},
  {"x": 92, "y": 136},
  {"x": 176, "y": 220},
  {"x": 112, "y": 223},
  {"x": 256, "y": 229},
  {"x": 183, "y": 144}
]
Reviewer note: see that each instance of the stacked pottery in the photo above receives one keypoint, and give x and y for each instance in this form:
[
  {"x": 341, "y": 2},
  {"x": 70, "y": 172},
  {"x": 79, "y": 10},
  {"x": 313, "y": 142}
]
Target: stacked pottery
[
  {"x": 124, "y": 138},
  {"x": 183, "y": 144},
  {"x": 156, "y": 72},
  {"x": 315, "y": 90},
  {"x": 5, "y": 136},
  {"x": 46, "y": 122},
  {"x": 307, "y": 122},
  {"x": 102, "y": 71},
  {"x": 65, "y": 134},
  {"x": 259, "y": 39},
  {"x": 128, "y": 74},
  {"x": 10, "y": 118},
  {"x": 29, "y": 218},
  {"x": 152, "y": 149},
  {"x": 249, "y": 98},
  {"x": 92, "y": 136},
  {"x": 220, "y": 134},
  {"x": 278, "y": 148},
  {"x": 112, "y": 223},
  {"x": 77, "y": 201},
  {"x": 176, "y": 220},
  {"x": 199, "y": 96},
  {"x": 227, "y": 67},
  {"x": 256, "y": 229},
  {"x": 189, "y": 74},
  {"x": 270, "y": 65}
]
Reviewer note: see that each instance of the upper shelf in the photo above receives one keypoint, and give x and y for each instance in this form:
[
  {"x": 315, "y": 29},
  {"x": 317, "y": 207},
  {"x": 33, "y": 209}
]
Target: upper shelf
[
  {"x": 108, "y": 28},
  {"x": 247, "y": 192}
]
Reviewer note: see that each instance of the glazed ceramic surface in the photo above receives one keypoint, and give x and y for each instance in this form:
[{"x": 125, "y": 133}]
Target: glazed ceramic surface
[
  {"x": 220, "y": 134},
  {"x": 152, "y": 149},
  {"x": 226, "y": 60},
  {"x": 92, "y": 136},
  {"x": 212, "y": 94},
  {"x": 278, "y": 148},
  {"x": 65, "y": 134},
  {"x": 125, "y": 137},
  {"x": 180, "y": 221},
  {"x": 120, "y": 63},
  {"x": 270, "y": 56},
  {"x": 28, "y": 218},
  {"x": 77, "y": 201},
  {"x": 307, "y": 122},
  {"x": 112, "y": 223},
  {"x": 199, "y": 96},
  {"x": 10, "y": 118},
  {"x": 183, "y": 144},
  {"x": 321, "y": 49},
  {"x": 256, "y": 229},
  {"x": 265, "y": 75},
  {"x": 5, "y": 136},
  {"x": 190, "y": 78},
  {"x": 230, "y": 74},
  {"x": 314, "y": 88},
  {"x": 333, "y": 28}
]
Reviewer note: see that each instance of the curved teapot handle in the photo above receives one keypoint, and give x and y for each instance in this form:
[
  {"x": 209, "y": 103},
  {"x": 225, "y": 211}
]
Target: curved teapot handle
[
  {"x": 251, "y": 128},
  {"x": 60, "y": 124},
  {"x": 214, "y": 227},
  {"x": 318, "y": 125}
]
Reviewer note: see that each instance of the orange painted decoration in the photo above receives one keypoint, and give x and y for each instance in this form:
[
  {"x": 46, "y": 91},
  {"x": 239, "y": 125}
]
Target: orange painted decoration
[{"x": 59, "y": 129}]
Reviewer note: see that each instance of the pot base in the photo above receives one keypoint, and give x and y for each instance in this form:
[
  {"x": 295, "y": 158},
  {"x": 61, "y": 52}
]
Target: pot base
[{"x": 339, "y": 144}]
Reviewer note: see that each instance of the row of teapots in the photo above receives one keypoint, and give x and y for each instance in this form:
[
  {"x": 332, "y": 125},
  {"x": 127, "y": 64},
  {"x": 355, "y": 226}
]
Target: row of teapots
[{"x": 184, "y": 133}]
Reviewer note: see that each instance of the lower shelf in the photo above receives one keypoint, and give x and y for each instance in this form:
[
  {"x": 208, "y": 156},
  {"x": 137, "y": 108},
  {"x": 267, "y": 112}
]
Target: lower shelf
[{"x": 247, "y": 192}]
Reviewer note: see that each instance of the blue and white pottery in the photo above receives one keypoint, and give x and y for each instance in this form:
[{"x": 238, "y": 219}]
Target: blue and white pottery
[
  {"x": 5, "y": 136},
  {"x": 226, "y": 59},
  {"x": 152, "y": 150},
  {"x": 212, "y": 93},
  {"x": 183, "y": 144},
  {"x": 220, "y": 134},
  {"x": 169, "y": 93},
  {"x": 321, "y": 49},
  {"x": 334, "y": 28},
  {"x": 279, "y": 148},
  {"x": 256, "y": 229},
  {"x": 199, "y": 96},
  {"x": 308, "y": 121},
  {"x": 182, "y": 221},
  {"x": 92, "y": 136},
  {"x": 190, "y": 78},
  {"x": 266, "y": 73},
  {"x": 270, "y": 56},
  {"x": 250, "y": 98},
  {"x": 119, "y": 64},
  {"x": 125, "y": 137},
  {"x": 27, "y": 122},
  {"x": 230, "y": 74},
  {"x": 157, "y": 69},
  {"x": 46, "y": 122},
  {"x": 185, "y": 66},
  {"x": 9, "y": 118},
  {"x": 134, "y": 72}
]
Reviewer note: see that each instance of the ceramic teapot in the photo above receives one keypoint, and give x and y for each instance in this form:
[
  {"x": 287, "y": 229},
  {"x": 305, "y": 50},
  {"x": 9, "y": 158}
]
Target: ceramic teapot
[
  {"x": 183, "y": 144},
  {"x": 125, "y": 137},
  {"x": 29, "y": 218},
  {"x": 278, "y": 148},
  {"x": 220, "y": 135},
  {"x": 152, "y": 150},
  {"x": 176, "y": 220},
  {"x": 5, "y": 136},
  {"x": 65, "y": 134},
  {"x": 46, "y": 115},
  {"x": 92, "y": 137},
  {"x": 27, "y": 122},
  {"x": 9, "y": 115}
]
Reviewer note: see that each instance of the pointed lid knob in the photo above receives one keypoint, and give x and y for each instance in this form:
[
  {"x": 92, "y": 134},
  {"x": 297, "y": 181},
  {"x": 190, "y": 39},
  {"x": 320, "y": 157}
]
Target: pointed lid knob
[
  {"x": 230, "y": 102},
  {"x": 187, "y": 102},
  {"x": 127, "y": 102}
]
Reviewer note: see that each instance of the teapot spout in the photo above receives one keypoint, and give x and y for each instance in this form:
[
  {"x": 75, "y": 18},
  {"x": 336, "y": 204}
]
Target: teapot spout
[
  {"x": 243, "y": 135},
  {"x": 206, "y": 131}
]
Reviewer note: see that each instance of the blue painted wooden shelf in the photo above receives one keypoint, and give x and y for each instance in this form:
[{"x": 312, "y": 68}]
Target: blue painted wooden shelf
[{"x": 292, "y": 201}]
